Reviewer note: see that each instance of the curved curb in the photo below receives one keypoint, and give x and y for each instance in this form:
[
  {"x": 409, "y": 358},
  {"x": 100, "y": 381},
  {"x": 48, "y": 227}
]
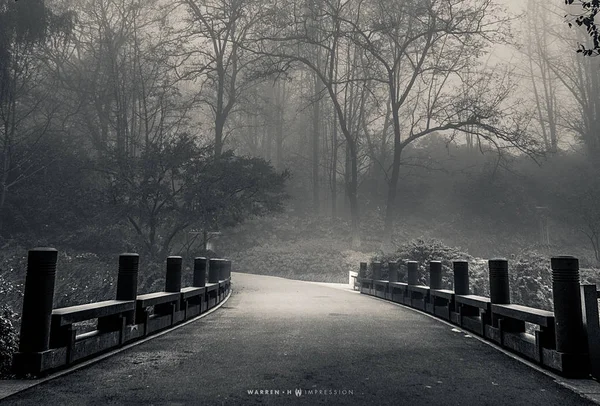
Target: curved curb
[
  {"x": 13, "y": 387},
  {"x": 586, "y": 388}
]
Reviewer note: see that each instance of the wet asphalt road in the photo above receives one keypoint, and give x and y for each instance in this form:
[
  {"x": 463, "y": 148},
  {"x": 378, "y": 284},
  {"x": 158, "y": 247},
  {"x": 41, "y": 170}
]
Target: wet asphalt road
[{"x": 281, "y": 335}]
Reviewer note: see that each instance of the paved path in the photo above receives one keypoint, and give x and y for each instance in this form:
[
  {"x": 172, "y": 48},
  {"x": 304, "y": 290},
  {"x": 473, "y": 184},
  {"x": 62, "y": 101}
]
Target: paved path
[{"x": 276, "y": 334}]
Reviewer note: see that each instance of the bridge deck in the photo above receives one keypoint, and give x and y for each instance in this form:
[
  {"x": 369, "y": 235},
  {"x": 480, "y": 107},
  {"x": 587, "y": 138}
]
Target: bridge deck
[{"x": 278, "y": 335}]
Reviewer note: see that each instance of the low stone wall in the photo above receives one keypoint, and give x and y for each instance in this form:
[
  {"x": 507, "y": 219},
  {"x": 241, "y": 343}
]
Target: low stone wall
[
  {"x": 566, "y": 340},
  {"x": 50, "y": 340}
]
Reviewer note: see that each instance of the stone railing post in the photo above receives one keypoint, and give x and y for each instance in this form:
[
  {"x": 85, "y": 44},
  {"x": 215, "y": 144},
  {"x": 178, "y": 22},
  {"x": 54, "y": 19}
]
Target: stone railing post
[
  {"x": 223, "y": 270},
  {"x": 376, "y": 267},
  {"x": 435, "y": 274},
  {"x": 362, "y": 270},
  {"x": 589, "y": 297},
  {"x": 461, "y": 287},
  {"x": 199, "y": 272},
  {"x": 393, "y": 271},
  {"x": 127, "y": 281},
  {"x": 500, "y": 293},
  {"x": 37, "y": 300},
  {"x": 570, "y": 334},
  {"x": 412, "y": 269},
  {"x": 499, "y": 286},
  {"x": 34, "y": 338},
  {"x": 214, "y": 266},
  {"x": 461, "y": 277},
  {"x": 173, "y": 277}
]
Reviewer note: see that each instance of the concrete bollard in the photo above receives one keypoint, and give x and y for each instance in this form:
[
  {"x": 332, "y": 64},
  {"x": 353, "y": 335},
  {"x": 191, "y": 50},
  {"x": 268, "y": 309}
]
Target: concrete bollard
[
  {"x": 362, "y": 270},
  {"x": 37, "y": 301},
  {"x": 200, "y": 264},
  {"x": 376, "y": 266},
  {"x": 173, "y": 277},
  {"x": 223, "y": 270},
  {"x": 499, "y": 286},
  {"x": 589, "y": 297},
  {"x": 393, "y": 270},
  {"x": 227, "y": 276},
  {"x": 570, "y": 337},
  {"x": 461, "y": 277},
  {"x": 214, "y": 265},
  {"x": 412, "y": 268},
  {"x": 435, "y": 274},
  {"x": 229, "y": 265},
  {"x": 127, "y": 281}
]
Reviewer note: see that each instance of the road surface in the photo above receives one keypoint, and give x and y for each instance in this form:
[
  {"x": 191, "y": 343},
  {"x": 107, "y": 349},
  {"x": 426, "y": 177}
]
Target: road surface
[{"x": 302, "y": 343}]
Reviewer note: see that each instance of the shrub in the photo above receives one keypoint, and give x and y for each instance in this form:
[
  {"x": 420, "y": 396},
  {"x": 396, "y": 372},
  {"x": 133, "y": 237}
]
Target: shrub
[
  {"x": 530, "y": 276},
  {"x": 422, "y": 251},
  {"x": 8, "y": 339},
  {"x": 8, "y": 326},
  {"x": 530, "y": 279},
  {"x": 84, "y": 278}
]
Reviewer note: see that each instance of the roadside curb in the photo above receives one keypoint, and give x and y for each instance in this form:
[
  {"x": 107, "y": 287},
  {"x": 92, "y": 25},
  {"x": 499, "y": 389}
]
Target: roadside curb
[
  {"x": 12, "y": 387},
  {"x": 586, "y": 388}
]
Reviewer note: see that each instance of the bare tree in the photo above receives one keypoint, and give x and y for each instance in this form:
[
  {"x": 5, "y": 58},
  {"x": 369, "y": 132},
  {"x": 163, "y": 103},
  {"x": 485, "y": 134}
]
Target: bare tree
[
  {"x": 215, "y": 33},
  {"x": 580, "y": 81},
  {"x": 128, "y": 104},
  {"x": 543, "y": 79},
  {"x": 417, "y": 50},
  {"x": 27, "y": 106},
  {"x": 291, "y": 39}
]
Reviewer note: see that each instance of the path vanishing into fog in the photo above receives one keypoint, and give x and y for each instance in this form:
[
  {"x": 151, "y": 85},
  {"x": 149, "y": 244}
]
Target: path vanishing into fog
[{"x": 280, "y": 335}]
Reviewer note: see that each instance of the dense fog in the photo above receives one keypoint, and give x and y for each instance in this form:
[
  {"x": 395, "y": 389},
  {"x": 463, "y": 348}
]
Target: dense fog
[{"x": 297, "y": 138}]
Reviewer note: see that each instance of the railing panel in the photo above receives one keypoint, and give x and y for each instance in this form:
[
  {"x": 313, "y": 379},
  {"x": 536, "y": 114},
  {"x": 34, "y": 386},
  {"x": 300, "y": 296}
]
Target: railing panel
[
  {"x": 49, "y": 339},
  {"x": 495, "y": 319}
]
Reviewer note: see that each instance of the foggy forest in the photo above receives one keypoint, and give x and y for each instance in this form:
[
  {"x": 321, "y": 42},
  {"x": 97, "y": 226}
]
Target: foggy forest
[{"x": 296, "y": 138}]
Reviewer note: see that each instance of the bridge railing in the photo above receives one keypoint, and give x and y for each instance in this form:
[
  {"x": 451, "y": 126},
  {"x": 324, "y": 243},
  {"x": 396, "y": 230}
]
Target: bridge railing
[
  {"x": 50, "y": 338},
  {"x": 566, "y": 340}
]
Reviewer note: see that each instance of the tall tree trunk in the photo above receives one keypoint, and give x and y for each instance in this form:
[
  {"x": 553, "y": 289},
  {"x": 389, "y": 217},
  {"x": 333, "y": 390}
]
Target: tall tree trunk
[
  {"x": 316, "y": 129},
  {"x": 279, "y": 105},
  {"x": 219, "y": 125},
  {"x": 268, "y": 138},
  {"x": 219, "y": 110},
  {"x": 383, "y": 148},
  {"x": 353, "y": 197},
  {"x": 347, "y": 174},
  {"x": 334, "y": 160},
  {"x": 390, "y": 210}
]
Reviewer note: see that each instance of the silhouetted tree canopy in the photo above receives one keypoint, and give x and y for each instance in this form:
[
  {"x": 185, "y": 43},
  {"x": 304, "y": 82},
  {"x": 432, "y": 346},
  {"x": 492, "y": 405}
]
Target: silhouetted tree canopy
[{"x": 25, "y": 22}]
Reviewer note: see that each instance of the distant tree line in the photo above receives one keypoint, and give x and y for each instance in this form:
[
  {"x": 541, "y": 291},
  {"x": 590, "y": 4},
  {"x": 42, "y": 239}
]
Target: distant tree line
[
  {"x": 99, "y": 148},
  {"x": 142, "y": 119}
]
